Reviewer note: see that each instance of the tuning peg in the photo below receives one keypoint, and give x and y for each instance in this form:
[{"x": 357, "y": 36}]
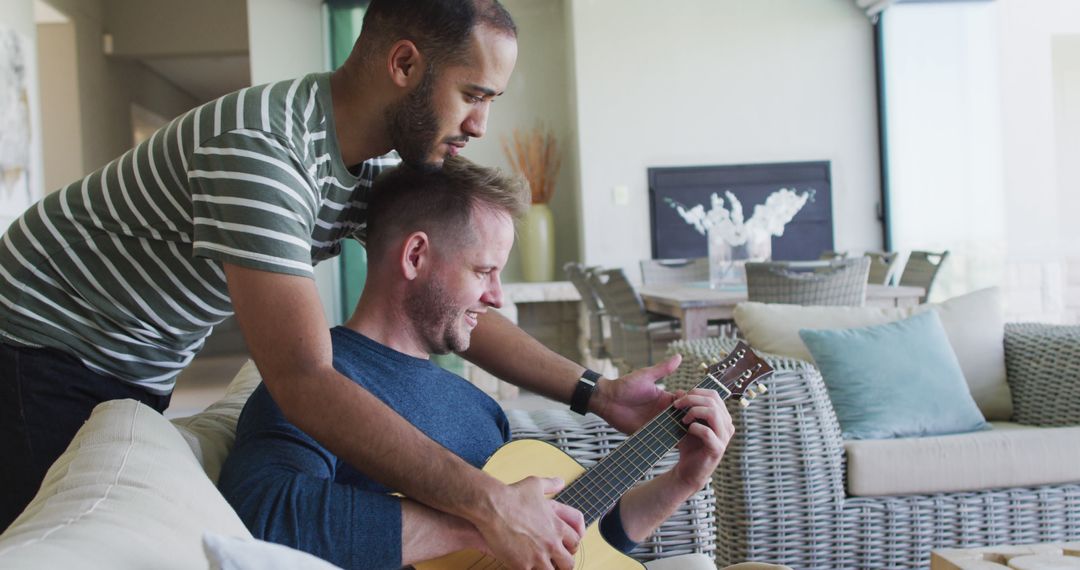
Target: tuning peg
[
  {"x": 750, "y": 394},
  {"x": 744, "y": 402},
  {"x": 704, "y": 365},
  {"x": 761, "y": 388},
  {"x": 716, "y": 361}
]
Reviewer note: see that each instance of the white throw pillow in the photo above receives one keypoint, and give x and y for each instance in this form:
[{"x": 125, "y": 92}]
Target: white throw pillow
[
  {"x": 127, "y": 493},
  {"x": 231, "y": 553},
  {"x": 974, "y": 323},
  {"x": 212, "y": 432}
]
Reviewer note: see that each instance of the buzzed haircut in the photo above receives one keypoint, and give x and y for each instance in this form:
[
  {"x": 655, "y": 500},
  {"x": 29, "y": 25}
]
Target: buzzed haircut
[
  {"x": 439, "y": 202},
  {"x": 439, "y": 28}
]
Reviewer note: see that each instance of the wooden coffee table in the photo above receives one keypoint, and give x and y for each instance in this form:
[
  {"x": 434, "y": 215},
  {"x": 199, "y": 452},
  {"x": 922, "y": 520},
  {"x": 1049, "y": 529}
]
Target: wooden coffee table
[{"x": 1047, "y": 556}]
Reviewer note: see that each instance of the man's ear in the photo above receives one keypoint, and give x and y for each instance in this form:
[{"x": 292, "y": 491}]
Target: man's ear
[
  {"x": 405, "y": 64},
  {"x": 415, "y": 255}
]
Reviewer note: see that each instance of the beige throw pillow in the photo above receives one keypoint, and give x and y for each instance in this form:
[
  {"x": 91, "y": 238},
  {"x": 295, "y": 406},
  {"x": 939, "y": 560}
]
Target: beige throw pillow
[{"x": 974, "y": 323}]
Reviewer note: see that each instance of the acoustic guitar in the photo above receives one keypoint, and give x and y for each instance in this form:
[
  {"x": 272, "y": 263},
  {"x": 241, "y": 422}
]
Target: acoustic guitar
[{"x": 595, "y": 491}]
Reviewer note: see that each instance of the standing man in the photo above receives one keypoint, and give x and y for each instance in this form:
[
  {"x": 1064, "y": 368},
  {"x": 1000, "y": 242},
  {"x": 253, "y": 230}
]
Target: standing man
[{"x": 108, "y": 287}]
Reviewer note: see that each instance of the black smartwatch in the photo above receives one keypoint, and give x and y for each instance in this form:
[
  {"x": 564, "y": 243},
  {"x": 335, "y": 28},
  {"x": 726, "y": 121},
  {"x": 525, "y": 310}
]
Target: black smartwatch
[{"x": 586, "y": 385}]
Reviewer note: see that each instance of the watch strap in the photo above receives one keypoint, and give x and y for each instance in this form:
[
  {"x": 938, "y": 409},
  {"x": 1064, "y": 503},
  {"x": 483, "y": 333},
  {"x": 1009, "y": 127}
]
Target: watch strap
[{"x": 586, "y": 385}]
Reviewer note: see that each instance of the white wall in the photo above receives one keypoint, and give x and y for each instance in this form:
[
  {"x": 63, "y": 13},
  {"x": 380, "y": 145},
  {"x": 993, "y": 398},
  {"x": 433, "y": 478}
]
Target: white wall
[
  {"x": 18, "y": 15},
  {"x": 287, "y": 39},
  {"x": 1066, "y": 57},
  {"x": 538, "y": 91},
  {"x": 61, "y": 125},
  {"x": 944, "y": 139},
  {"x": 700, "y": 82},
  {"x": 1040, "y": 223}
]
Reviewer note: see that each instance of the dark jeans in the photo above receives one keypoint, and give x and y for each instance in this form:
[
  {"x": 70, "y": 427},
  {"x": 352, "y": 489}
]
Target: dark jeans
[{"x": 45, "y": 397}]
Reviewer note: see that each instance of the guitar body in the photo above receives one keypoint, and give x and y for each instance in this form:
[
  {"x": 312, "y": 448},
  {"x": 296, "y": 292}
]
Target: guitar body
[{"x": 516, "y": 461}]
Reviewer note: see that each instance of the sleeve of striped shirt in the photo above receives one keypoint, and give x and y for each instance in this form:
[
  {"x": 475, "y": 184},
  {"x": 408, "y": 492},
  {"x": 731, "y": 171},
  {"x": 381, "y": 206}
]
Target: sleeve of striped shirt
[
  {"x": 253, "y": 203},
  {"x": 371, "y": 170}
]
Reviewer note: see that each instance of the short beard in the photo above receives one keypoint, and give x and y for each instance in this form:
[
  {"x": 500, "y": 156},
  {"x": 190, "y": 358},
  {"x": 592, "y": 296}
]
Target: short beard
[
  {"x": 414, "y": 126},
  {"x": 435, "y": 319}
]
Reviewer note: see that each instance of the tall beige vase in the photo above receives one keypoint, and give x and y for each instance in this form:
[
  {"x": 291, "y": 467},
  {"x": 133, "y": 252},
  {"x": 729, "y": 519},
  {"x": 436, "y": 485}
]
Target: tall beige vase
[{"x": 536, "y": 238}]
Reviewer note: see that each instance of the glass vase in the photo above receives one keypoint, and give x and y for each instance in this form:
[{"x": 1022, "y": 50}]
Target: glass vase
[{"x": 727, "y": 263}]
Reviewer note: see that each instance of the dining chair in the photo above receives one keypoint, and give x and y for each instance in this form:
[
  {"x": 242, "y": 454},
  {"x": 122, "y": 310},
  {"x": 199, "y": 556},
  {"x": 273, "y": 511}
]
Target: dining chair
[
  {"x": 882, "y": 267},
  {"x": 599, "y": 342},
  {"x": 665, "y": 271},
  {"x": 839, "y": 282},
  {"x": 639, "y": 337},
  {"x": 921, "y": 270}
]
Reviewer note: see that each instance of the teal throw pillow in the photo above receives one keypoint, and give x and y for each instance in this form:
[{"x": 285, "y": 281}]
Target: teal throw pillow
[{"x": 900, "y": 379}]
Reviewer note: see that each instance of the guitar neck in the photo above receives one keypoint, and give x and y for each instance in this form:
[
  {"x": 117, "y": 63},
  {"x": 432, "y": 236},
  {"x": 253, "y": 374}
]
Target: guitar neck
[{"x": 599, "y": 488}]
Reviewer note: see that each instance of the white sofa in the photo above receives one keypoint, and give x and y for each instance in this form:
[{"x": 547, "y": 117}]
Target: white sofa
[{"x": 135, "y": 490}]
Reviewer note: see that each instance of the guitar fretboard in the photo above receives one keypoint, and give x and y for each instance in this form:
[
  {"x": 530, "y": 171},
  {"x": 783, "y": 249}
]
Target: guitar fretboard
[{"x": 596, "y": 491}]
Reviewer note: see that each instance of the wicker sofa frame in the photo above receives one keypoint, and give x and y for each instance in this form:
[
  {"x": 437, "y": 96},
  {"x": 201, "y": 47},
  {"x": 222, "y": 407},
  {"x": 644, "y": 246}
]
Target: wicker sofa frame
[{"x": 780, "y": 489}]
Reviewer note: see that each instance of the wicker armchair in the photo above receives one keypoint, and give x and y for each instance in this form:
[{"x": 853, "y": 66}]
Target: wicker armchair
[
  {"x": 922, "y": 269},
  {"x": 665, "y": 271},
  {"x": 841, "y": 282},
  {"x": 780, "y": 489},
  {"x": 882, "y": 267},
  {"x": 599, "y": 342},
  {"x": 692, "y": 529},
  {"x": 639, "y": 338}
]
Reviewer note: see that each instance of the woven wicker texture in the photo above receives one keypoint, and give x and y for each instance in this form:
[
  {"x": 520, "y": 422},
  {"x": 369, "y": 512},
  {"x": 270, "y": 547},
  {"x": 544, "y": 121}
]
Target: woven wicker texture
[
  {"x": 780, "y": 487},
  {"x": 587, "y": 439},
  {"x": 1043, "y": 370},
  {"x": 638, "y": 340},
  {"x": 666, "y": 271},
  {"x": 882, "y": 266},
  {"x": 922, "y": 269},
  {"x": 842, "y": 282},
  {"x": 578, "y": 274}
]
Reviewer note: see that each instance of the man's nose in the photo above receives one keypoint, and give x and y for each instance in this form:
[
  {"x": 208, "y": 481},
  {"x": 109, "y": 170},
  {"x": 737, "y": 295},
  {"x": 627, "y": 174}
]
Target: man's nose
[
  {"x": 493, "y": 297},
  {"x": 476, "y": 123}
]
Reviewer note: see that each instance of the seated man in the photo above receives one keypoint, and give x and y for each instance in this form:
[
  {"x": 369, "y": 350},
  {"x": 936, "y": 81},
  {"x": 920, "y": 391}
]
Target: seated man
[{"x": 437, "y": 242}]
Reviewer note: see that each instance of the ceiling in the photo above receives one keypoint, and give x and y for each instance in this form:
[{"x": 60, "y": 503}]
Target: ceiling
[{"x": 204, "y": 77}]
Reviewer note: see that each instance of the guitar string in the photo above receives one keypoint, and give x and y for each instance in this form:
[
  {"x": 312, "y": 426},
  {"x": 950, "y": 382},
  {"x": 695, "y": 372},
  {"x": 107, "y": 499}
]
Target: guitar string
[
  {"x": 655, "y": 425},
  {"x": 657, "y": 432},
  {"x": 657, "y": 438}
]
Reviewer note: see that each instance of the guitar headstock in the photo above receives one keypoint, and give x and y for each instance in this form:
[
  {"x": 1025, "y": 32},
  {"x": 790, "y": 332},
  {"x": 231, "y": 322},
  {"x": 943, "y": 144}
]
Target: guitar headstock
[{"x": 739, "y": 374}]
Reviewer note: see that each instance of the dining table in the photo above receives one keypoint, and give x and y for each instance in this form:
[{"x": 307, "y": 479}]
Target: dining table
[{"x": 695, "y": 304}]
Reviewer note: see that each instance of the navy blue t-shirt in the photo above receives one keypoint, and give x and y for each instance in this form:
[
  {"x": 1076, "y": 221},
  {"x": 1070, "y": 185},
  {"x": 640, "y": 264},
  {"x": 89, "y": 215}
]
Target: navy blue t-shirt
[{"x": 290, "y": 490}]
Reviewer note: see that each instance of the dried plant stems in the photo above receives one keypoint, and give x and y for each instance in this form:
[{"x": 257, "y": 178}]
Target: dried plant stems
[{"x": 535, "y": 155}]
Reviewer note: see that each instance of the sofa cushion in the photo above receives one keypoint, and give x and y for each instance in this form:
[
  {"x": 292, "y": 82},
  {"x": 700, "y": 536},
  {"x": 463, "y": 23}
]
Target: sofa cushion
[
  {"x": 974, "y": 323},
  {"x": 127, "y": 493},
  {"x": 898, "y": 379},
  {"x": 211, "y": 433},
  {"x": 1008, "y": 455}
]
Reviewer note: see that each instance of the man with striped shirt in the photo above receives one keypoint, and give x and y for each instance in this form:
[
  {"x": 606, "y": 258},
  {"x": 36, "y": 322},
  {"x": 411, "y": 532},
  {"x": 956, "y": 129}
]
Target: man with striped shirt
[{"x": 109, "y": 286}]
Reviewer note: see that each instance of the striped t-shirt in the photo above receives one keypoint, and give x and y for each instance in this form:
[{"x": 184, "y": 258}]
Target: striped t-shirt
[{"x": 123, "y": 268}]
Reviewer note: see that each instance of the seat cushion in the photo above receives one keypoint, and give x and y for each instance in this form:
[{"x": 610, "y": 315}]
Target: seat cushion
[
  {"x": 1008, "y": 455},
  {"x": 974, "y": 324},
  {"x": 127, "y": 493},
  {"x": 211, "y": 432}
]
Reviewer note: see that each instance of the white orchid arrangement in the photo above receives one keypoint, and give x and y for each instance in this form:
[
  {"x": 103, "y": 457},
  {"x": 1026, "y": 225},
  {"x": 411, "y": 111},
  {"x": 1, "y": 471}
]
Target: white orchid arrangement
[{"x": 768, "y": 218}]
